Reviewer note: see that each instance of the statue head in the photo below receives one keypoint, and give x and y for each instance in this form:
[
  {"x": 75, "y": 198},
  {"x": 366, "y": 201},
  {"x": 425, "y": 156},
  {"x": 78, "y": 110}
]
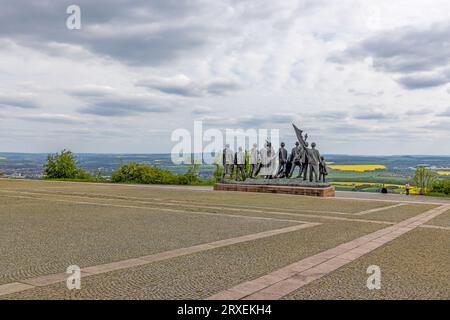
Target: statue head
[
  {"x": 282, "y": 144},
  {"x": 240, "y": 149},
  {"x": 306, "y": 144},
  {"x": 297, "y": 143},
  {"x": 313, "y": 145},
  {"x": 227, "y": 146}
]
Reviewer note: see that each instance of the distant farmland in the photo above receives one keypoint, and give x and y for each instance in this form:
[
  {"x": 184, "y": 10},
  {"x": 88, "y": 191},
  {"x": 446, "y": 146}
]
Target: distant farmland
[{"x": 356, "y": 173}]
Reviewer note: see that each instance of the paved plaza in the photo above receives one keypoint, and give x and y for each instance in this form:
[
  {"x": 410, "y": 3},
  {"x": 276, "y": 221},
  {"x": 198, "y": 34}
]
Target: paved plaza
[{"x": 163, "y": 242}]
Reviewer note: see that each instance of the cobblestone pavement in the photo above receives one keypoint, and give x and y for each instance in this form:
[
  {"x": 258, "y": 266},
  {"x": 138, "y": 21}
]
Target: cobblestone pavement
[
  {"x": 414, "y": 266},
  {"x": 443, "y": 220},
  {"x": 159, "y": 242}
]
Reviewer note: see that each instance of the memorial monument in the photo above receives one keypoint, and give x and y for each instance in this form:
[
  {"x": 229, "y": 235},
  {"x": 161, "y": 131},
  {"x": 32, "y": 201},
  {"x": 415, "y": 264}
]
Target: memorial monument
[{"x": 273, "y": 172}]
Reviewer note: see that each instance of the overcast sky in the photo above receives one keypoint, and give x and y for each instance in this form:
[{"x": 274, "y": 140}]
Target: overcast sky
[{"x": 361, "y": 77}]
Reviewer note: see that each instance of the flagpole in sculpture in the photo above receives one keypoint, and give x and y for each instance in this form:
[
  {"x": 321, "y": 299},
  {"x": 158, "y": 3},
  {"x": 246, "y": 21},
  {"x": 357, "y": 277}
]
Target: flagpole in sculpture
[{"x": 299, "y": 134}]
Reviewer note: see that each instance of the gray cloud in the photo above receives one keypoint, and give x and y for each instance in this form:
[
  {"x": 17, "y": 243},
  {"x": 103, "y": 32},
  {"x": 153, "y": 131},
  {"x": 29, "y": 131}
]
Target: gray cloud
[
  {"x": 145, "y": 33},
  {"x": 257, "y": 121},
  {"x": 437, "y": 125},
  {"x": 252, "y": 121},
  {"x": 330, "y": 115},
  {"x": 373, "y": 115},
  {"x": 359, "y": 93},
  {"x": 121, "y": 107},
  {"x": 103, "y": 101},
  {"x": 424, "y": 81},
  {"x": 52, "y": 118},
  {"x": 201, "y": 110},
  {"x": 406, "y": 51},
  {"x": 446, "y": 113},
  {"x": 220, "y": 87},
  {"x": 18, "y": 101},
  {"x": 91, "y": 91},
  {"x": 418, "y": 112},
  {"x": 182, "y": 85}
]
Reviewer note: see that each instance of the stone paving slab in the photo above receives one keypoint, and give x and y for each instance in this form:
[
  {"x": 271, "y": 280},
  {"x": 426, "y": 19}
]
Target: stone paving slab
[
  {"x": 328, "y": 261},
  {"x": 381, "y": 213},
  {"x": 201, "y": 274},
  {"x": 412, "y": 266},
  {"x": 441, "y": 221},
  {"x": 297, "y": 257},
  {"x": 129, "y": 263},
  {"x": 54, "y": 237},
  {"x": 197, "y": 197},
  {"x": 14, "y": 287}
]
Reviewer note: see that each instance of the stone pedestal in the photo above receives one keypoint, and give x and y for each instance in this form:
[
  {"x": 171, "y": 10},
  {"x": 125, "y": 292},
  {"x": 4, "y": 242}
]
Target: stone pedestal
[{"x": 325, "y": 191}]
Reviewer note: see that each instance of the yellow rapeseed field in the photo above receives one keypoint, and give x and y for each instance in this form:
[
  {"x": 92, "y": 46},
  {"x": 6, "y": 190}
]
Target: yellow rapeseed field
[
  {"x": 413, "y": 189},
  {"x": 357, "y": 167},
  {"x": 444, "y": 173}
]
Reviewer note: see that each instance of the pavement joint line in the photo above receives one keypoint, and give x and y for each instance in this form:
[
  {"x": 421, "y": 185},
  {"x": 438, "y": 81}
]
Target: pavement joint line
[
  {"x": 379, "y": 209},
  {"x": 45, "y": 280},
  {"x": 389, "y": 200},
  {"x": 255, "y": 209},
  {"x": 162, "y": 209},
  {"x": 213, "y": 213},
  {"x": 435, "y": 227},
  {"x": 338, "y": 197},
  {"x": 210, "y": 189},
  {"x": 206, "y": 205},
  {"x": 296, "y": 275}
]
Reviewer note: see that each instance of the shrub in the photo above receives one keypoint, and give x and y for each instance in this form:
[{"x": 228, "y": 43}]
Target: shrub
[
  {"x": 441, "y": 186},
  {"x": 83, "y": 175},
  {"x": 191, "y": 177},
  {"x": 218, "y": 173},
  {"x": 134, "y": 172}
]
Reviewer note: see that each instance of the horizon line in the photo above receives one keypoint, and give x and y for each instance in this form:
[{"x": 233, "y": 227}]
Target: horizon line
[{"x": 165, "y": 153}]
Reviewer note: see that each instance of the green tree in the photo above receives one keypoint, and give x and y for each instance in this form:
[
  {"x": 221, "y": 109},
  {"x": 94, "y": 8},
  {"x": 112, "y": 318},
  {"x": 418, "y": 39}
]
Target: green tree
[
  {"x": 64, "y": 166},
  {"x": 61, "y": 165},
  {"x": 424, "y": 178}
]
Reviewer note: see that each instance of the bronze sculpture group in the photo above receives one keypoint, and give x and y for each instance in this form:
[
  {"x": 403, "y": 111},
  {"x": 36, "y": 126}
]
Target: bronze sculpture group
[{"x": 263, "y": 162}]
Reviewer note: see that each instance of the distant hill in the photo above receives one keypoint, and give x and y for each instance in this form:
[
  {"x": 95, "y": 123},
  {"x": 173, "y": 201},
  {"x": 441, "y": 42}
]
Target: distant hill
[{"x": 30, "y": 164}]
